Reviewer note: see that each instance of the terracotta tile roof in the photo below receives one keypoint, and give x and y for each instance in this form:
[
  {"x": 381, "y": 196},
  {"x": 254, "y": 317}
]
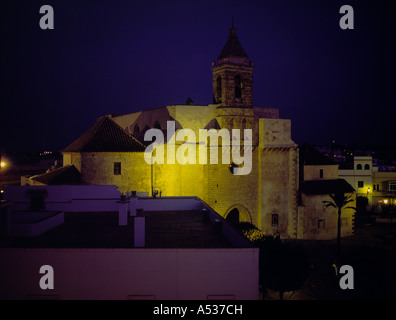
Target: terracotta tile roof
[
  {"x": 326, "y": 186},
  {"x": 105, "y": 136}
]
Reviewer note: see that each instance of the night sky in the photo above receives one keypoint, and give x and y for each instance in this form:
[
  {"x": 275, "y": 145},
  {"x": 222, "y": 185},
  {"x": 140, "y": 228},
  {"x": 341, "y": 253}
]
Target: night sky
[{"x": 124, "y": 56}]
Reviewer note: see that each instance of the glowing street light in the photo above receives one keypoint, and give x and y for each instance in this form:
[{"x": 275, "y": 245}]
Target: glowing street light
[{"x": 2, "y": 164}]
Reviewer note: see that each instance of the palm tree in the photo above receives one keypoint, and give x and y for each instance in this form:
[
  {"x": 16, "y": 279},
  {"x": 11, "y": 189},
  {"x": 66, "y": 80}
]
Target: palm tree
[{"x": 340, "y": 200}]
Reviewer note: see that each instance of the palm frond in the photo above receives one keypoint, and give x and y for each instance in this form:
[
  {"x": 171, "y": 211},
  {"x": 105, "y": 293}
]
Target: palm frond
[
  {"x": 340, "y": 200},
  {"x": 329, "y": 204},
  {"x": 347, "y": 201}
]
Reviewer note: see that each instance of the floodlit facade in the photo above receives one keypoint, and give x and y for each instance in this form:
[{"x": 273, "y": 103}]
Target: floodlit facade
[{"x": 112, "y": 151}]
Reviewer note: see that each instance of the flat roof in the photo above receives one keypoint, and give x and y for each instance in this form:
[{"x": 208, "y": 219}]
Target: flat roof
[{"x": 164, "y": 229}]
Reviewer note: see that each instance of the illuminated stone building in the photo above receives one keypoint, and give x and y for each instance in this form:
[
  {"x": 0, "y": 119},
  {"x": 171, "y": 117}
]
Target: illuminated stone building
[
  {"x": 319, "y": 177},
  {"x": 112, "y": 151}
]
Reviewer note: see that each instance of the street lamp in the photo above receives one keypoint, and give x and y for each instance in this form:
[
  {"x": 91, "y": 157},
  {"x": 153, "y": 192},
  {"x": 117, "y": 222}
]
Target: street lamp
[
  {"x": 2, "y": 165},
  {"x": 368, "y": 198}
]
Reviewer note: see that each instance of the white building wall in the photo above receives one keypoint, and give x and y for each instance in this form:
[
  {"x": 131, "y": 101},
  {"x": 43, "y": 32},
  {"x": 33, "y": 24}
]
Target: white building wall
[{"x": 353, "y": 176}]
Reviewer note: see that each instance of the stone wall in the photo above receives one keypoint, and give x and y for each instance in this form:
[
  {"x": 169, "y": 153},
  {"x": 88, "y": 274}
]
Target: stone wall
[
  {"x": 225, "y": 191},
  {"x": 312, "y": 172},
  {"x": 276, "y": 193},
  {"x": 227, "y": 72},
  {"x": 320, "y": 223},
  {"x": 98, "y": 168}
]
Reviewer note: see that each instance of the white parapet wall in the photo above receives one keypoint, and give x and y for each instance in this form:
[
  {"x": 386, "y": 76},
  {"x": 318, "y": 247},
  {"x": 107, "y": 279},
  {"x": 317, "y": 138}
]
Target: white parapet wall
[
  {"x": 67, "y": 198},
  {"x": 108, "y": 199},
  {"x": 186, "y": 274},
  {"x": 93, "y": 198}
]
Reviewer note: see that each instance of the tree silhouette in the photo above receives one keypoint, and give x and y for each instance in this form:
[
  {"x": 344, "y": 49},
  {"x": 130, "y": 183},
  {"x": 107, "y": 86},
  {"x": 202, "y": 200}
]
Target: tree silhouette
[
  {"x": 283, "y": 267},
  {"x": 340, "y": 201}
]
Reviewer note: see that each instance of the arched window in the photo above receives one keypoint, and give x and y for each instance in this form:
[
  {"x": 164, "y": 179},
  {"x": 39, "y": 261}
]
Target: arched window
[
  {"x": 359, "y": 167},
  {"x": 366, "y": 166},
  {"x": 218, "y": 88},
  {"x": 157, "y": 125},
  {"x": 136, "y": 129},
  {"x": 238, "y": 86}
]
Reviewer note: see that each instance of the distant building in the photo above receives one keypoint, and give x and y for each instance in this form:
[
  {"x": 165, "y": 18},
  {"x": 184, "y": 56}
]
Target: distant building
[
  {"x": 359, "y": 174},
  {"x": 384, "y": 188},
  {"x": 375, "y": 182},
  {"x": 318, "y": 179}
]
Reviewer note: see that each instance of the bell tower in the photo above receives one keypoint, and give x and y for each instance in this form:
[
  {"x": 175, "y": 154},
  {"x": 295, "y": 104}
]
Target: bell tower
[
  {"x": 233, "y": 86},
  {"x": 233, "y": 75}
]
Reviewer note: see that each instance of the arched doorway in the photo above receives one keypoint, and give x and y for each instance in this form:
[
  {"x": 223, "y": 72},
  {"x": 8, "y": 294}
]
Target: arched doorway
[
  {"x": 233, "y": 217},
  {"x": 238, "y": 213}
]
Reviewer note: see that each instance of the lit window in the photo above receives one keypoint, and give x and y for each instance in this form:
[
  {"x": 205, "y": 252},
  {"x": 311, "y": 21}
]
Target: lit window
[{"x": 117, "y": 168}]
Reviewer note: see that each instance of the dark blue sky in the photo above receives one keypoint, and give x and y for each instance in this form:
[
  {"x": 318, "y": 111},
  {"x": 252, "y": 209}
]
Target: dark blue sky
[{"x": 124, "y": 56}]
